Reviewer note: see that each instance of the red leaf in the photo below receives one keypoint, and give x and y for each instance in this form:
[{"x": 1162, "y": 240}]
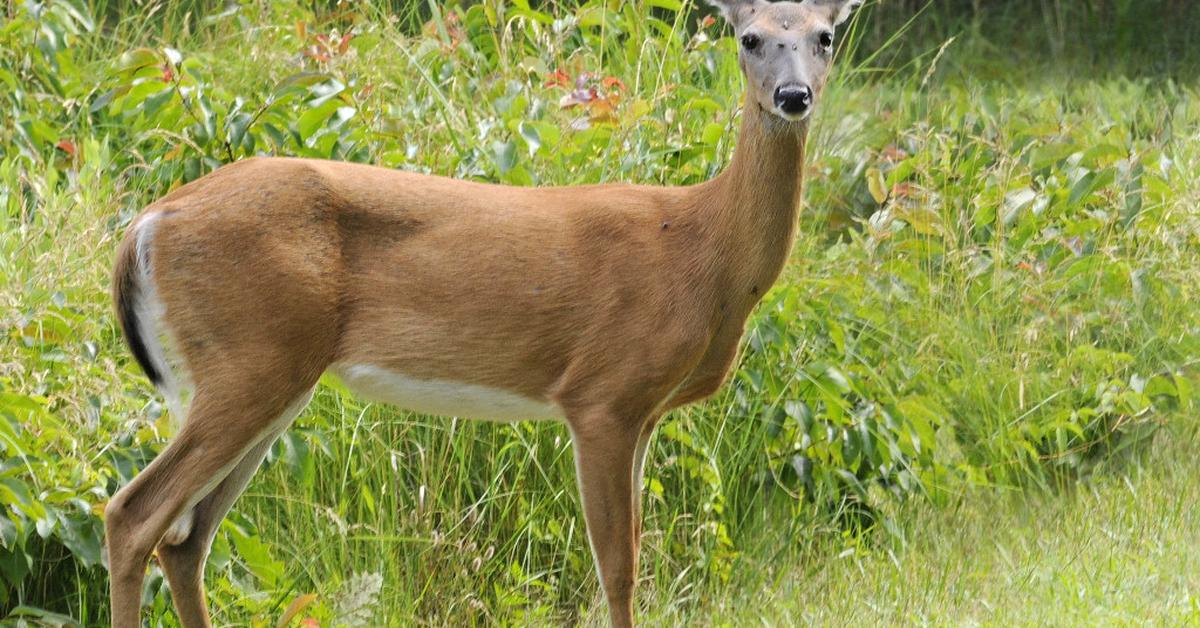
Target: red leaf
[
  {"x": 602, "y": 110},
  {"x": 316, "y": 53},
  {"x": 902, "y": 190},
  {"x": 610, "y": 82},
  {"x": 67, "y": 146},
  {"x": 894, "y": 153},
  {"x": 558, "y": 79}
]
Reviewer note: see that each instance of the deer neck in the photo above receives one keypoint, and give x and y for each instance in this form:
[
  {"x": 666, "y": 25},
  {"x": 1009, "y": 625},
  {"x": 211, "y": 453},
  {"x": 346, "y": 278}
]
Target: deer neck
[{"x": 748, "y": 212}]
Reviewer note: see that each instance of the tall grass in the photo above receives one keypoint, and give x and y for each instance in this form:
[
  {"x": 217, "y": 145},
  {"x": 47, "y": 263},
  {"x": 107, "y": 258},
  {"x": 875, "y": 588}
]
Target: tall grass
[{"x": 994, "y": 286}]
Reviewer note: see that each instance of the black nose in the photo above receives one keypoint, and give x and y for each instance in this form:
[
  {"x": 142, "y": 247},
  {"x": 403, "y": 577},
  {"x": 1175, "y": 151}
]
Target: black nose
[{"x": 793, "y": 99}]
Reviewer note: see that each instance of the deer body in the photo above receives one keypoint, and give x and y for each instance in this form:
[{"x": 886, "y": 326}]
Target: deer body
[{"x": 604, "y": 306}]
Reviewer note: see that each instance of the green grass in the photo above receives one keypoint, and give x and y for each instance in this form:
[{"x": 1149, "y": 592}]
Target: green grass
[
  {"x": 968, "y": 402},
  {"x": 1119, "y": 550}
]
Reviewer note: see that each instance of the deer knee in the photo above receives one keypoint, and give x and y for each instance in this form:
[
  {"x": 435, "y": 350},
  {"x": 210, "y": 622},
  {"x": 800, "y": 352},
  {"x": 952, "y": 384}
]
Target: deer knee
[
  {"x": 117, "y": 519},
  {"x": 124, "y": 537}
]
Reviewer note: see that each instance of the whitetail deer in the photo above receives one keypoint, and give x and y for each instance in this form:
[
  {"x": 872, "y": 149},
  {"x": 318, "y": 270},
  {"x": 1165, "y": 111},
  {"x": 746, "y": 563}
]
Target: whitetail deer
[{"x": 604, "y": 306}]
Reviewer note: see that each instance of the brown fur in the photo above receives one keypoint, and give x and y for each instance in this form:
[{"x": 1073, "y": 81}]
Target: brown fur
[{"x": 615, "y": 302}]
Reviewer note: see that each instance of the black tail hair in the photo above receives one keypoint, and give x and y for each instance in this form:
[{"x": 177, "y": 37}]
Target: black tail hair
[{"x": 126, "y": 290}]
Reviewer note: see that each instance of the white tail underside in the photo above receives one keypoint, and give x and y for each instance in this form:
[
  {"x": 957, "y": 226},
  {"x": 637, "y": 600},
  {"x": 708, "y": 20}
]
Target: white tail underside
[{"x": 150, "y": 311}]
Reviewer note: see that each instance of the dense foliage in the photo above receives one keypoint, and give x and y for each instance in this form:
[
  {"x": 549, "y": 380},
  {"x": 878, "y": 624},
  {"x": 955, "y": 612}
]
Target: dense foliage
[{"x": 992, "y": 286}]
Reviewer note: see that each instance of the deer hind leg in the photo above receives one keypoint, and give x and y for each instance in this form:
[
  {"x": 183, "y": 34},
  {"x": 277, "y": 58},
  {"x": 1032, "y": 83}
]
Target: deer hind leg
[
  {"x": 607, "y": 458},
  {"x": 183, "y": 551},
  {"x": 224, "y": 427}
]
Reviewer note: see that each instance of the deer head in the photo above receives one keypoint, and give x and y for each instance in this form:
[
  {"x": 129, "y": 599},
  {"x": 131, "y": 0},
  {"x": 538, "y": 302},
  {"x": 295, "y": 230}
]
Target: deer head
[{"x": 785, "y": 50}]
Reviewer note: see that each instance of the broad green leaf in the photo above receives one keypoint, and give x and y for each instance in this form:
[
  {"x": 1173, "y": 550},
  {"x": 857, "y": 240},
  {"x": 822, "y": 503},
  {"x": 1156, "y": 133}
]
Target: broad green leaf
[
  {"x": 136, "y": 59},
  {"x": 876, "y": 185},
  {"x": 670, "y": 5},
  {"x": 533, "y": 140},
  {"x": 505, "y": 155},
  {"x": 712, "y": 133}
]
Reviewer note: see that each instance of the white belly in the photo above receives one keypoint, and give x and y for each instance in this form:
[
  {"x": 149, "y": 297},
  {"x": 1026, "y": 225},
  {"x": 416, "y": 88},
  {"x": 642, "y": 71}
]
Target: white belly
[{"x": 442, "y": 397}]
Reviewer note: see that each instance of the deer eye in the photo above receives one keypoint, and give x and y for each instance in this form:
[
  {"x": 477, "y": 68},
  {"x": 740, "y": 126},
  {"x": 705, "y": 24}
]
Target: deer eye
[
  {"x": 751, "y": 41},
  {"x": 826, "y": 40}
]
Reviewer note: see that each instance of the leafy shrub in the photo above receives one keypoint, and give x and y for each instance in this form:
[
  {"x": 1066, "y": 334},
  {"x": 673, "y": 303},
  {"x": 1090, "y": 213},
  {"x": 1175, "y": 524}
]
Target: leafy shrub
[{"x": 990, "y": 288}]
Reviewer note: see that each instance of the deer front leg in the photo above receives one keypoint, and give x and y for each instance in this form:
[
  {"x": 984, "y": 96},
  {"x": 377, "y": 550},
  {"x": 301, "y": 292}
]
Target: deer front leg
[{"x": 607, "y": 451}]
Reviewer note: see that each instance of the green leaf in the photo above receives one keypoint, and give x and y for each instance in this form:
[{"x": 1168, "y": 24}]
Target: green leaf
[
  {"x": 1050, "y": 154},
  {"x": 154, "y": 102},
  {"x": 42, "y": 616},
  {"x": 1184, "y": 388},
  {"x": 298, "y": 457},
  {"x": 8, "y": 532},
  {"x": 45, "y": 525},
  {"x": 237, "y": 125},
  {"x": 257, "y": 556},
  {"x": 323, "y": 91},
  {"x": 838, "y": 379},
  {"x": 1160, "y": 386},
  {"x": 532, "y": 138},
  {"x": 1101, "y": 156},
  {"x": 101, "y": 101},
  {"x": 1089, "y": 183},
  {"x": 670, "y": 5},
  {"x": 901, "y": 172},
  {"x": 81, "y": 535},
  {"x": 313, "y": 119},
  {"x": 876, "y": 185},
  {"x": 297, "y": 83},
  {"x": 923, "y": 219},
  {"x": 505, "y": 155},
  {"x": 136, "y": 59},
  {"x": 712, "y": 133},
  {"x": 803, "y": 467},
  {"x": 15, "y": 492},
  {"x": 1017, "y": 199},
  {"x": 14, "y": 566}
]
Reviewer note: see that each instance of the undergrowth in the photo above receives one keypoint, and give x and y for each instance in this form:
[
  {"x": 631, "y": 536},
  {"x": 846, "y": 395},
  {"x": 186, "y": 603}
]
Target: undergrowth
[{"x": 994, "y": 286}]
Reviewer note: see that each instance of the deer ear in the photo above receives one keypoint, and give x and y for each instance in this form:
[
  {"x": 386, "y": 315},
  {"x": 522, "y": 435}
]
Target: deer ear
[
  {"x": 839, "y": 10},
  {"x": 734, "y": 11}
]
